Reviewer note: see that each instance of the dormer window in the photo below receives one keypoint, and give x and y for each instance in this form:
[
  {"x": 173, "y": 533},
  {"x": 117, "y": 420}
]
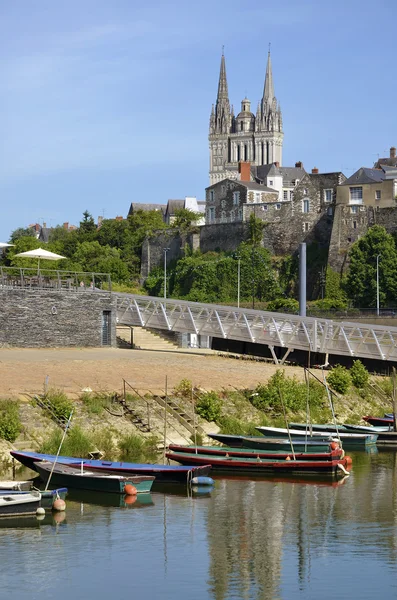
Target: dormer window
[{"x": 271, "y": 182}]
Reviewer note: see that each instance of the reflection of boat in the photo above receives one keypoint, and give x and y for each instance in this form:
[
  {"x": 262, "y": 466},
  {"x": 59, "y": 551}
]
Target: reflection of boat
[
  {"x": 348, "y": 439},
  {"x": 249, "y": 453},
  {"x": 17, "y": 504},
  {"x": 270, "y": 444},
  {"x": 88, "y": 480},
  {"x": 320, "y": 481},
  {"x": 162, "y": 473},
  {"x": 257, "y": 466},
  {"x": 108, "y": 499}
]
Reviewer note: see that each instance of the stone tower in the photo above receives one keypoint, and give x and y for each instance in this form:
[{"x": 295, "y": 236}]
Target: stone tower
[{"x": 257, "y": 139}]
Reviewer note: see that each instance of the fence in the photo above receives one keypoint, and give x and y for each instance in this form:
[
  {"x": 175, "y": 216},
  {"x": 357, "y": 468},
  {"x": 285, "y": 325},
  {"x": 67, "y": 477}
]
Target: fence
[{"x": 51, "y": 279}]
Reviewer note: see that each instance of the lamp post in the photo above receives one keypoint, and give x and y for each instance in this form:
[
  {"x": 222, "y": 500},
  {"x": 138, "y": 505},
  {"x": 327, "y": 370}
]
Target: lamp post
[
  {"x": 238, "y": 258},
  {"x": 165, "y": 273},
  {"x": 377, "y": 285}
]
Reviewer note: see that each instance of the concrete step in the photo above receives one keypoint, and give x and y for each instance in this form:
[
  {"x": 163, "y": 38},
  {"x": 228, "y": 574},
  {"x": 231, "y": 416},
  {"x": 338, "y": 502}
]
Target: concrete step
[{"x": 144, "y": 339}]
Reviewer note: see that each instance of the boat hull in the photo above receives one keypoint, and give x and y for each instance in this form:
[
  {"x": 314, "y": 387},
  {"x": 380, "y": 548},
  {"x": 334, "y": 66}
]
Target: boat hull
[
  {"x": 19, "y": 505},
  {"x": 47, "y": 497},
  {"x": 73, "y": 478},
  {"x": 270, "y": 444},
  {"x": 334, "y": 468},
  {"x": 246, "y": 453},
  {"x": 350, "y": 440},
  {"x": 164, "y": 474}
]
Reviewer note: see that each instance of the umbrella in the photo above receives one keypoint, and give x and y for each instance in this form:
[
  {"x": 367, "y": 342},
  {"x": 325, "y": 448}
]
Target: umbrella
[
  {"x": 4, "y": 245},
  {"x": 40, "y": 253}
]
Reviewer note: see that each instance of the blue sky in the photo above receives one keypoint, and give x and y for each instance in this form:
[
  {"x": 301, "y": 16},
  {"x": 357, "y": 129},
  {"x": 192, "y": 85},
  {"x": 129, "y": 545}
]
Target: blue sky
[{"x": 104, "y": 103}]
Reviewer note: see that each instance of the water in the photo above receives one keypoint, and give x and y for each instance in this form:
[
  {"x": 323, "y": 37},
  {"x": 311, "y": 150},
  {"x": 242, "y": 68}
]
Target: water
[{"x": 262, "y": 539}]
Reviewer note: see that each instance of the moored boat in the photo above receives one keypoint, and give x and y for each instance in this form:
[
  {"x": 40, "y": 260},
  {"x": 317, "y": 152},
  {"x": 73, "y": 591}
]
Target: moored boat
[
  {"x": 243, "y": 453},
  {"x": 47, "y": 497},
  {"x": 356, "y": 440},
  {"x": 96, "y": 482},
  {"x": 164, "y": 474},
  {"x": 270, "y": 444},
  {"x": 19, "y": 504},
  {"x": 258, "y": 466},
  {"x": 338, "y": 428},
  {"x": 379, "y": 421}
]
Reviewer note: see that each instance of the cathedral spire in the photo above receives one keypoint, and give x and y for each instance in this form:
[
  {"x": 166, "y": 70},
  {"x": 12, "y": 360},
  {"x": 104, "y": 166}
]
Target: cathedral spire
[
  {"x": 222, "y": 106},
  {"x": 222, "y": 85},
  {"x": 268, "y": 91}
]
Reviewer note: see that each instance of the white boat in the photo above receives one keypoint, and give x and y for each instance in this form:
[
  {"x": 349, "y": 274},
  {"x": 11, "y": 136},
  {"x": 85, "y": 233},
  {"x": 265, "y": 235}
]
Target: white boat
[
  {"x": 16, "y": 485},
  {"x": 347, "y": 438},
  {"x": 18, "y": 505}
]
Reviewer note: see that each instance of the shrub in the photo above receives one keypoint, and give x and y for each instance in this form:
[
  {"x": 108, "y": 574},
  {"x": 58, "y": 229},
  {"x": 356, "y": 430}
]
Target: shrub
[
  {"x": 233, "y": 426},
  {"x": 209, "y": 406},
  {"x": 293, "y": 393},
  {"x": 183, "y": 389},
  {"x": 77, "y": 443},
  {"x": 339, "y": 379},
  {"x": 359, "y": 374},
  {"x": 95, "y": 402},
  {"x": 134, "y": 448},
  {"x": 10, "y": 423},
  {"x": 289, "y": 305},
  {"x": 59, "y": 405}
]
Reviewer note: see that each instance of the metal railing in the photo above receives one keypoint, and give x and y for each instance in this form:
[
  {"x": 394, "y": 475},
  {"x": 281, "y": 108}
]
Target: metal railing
[
  {"x": 51, "y": 279},
  {"x": 291, "y": 332}
]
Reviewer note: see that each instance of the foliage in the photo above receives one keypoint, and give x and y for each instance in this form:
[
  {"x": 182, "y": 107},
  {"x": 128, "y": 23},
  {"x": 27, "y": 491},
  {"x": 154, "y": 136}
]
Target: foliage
[
  {"x": 95, "y": 402},
  {"x": 77, "y": 443},
  {"x": 183, "y": 389},
  {"x": 288, "y": 305},
  {"x": 185, "y": 218},
  {"x": 134, "y": 448},
  {"x": 209, "y": 406},
  {"x": 293, "y": 394},
  {"x": 21, "y": 232},
  {"x": 327, "y": 304},
  {"x": 361, "y": 284},
  {"x": 197, "y": 439},
  {"x": 334, "y": 286},
  {"x": 232, "y": 426},
  {"x": 339, "y": 379},
  {"x": 359, "y": 374},
  {"x": 10, "y": 422},
  {"x": 256, "y": 227},
  {"x": 59, "y": 404}
]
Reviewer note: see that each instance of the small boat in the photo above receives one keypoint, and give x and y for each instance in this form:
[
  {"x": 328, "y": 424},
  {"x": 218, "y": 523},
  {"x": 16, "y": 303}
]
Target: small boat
[
  {"x": 379, "y": 421},
  {"x": 270, "y": 444},
  {"x": 16, "y": 485},
  {"x": 243, "y": 453},
  {"x": 259, "y": 466},
  {"x": 19, "y": 504},
  {"x": 348, "y": 439},
  {"x": 95, "y": 482},
  {"x": 47, "y": 497},
  {"x": 162, "y": 473}
]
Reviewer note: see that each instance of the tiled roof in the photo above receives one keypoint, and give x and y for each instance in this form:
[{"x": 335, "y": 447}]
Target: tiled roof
[{"x": 365, "y": 175}]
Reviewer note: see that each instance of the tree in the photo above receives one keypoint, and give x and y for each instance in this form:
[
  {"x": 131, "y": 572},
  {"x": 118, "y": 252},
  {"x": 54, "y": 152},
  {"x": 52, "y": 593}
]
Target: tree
[
  {"x": 361, "y": 284},
  {"x": 185, "y": 218},
  {"x": 20, "y": 233},
  {"x": 87, "y": 227}
]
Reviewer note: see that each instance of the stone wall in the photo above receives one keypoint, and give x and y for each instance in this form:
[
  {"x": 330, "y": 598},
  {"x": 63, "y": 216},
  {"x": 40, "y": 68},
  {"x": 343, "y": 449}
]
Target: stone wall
[{"x": 53, "y": 319}]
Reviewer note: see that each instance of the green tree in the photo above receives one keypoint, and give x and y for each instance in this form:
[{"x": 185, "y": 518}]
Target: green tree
[
  {"x": 256, "y": 227},
  {"x": 21, "y": 232},
  {"x": 361, "y": 278},
  {"x": 185, "y": 218}
]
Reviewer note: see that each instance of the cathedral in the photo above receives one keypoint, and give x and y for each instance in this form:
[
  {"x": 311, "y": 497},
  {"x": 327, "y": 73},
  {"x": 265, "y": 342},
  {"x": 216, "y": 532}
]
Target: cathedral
[{"x": 257, "y": 139}]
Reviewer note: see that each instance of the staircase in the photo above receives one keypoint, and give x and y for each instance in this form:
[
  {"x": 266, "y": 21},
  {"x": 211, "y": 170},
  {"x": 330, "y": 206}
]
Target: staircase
[
  {"x": 134, "y": 413},
  {"x": 178, "y": 412},
  {"x": 143, "y": 339}
]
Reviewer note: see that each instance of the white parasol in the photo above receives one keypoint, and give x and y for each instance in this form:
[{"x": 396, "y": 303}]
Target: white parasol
[{"x": 40, "y": 253}]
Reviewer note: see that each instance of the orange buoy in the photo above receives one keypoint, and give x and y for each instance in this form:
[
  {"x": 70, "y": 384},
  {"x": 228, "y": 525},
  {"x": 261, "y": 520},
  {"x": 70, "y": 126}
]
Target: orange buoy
[
  {"x": 129, "y": 499},
  {"x": 288, "y": 457},
  {"x": 348, "y": 460},
  {"x": 334, "y": 445},
  {"x": 130, "y": 490},
  {"x": 59, "y": 505}
]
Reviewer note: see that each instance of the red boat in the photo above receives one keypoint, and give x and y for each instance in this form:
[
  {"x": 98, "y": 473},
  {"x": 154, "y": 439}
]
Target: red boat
[
  {"x": 335, "y": 454},
  {"x": 377, "y": 421}
]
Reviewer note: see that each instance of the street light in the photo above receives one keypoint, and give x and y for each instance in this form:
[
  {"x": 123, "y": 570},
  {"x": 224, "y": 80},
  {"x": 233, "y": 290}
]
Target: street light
[
  {"x": 238, "y": 258},
  {"x": 377, "y": 285},
  {"x": 165, "y": 273}
]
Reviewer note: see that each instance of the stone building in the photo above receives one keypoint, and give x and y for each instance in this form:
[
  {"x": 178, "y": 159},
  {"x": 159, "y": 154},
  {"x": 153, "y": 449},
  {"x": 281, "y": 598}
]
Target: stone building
[{"x": 257, "y": 138}]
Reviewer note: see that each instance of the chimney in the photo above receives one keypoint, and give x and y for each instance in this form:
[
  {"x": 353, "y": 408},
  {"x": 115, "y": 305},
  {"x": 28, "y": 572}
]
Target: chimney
[
  {"x": 66, "y": 225},
  {"x": 277, "y": 164},
  {"x": 392, "y": 152},
  {"x": 299, "y": 165},
  {"x": 119, "y": 218},
  {"x": 100, "y": 219},
  {"x": 244, "y": 168},
  {"x": 314, "y": 170}
]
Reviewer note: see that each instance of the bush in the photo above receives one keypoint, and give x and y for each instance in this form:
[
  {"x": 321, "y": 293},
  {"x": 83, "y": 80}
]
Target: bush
[
  {"x": 183, "y": 389},
  {"x": 59, "y": 405},
  {"x": 77, "y": 443},
  {"x": 233, "y": 426},
  {"x": 134, "y": 448},
  {"x": 339, "y": 379},
  {"x": 209, "y": 406},
  {"x": 94, "y": 402},
  {"x": 288, "y": 305},
  {"x": 10, "y": 423},
  {"x": 359, "y": 374},
  {"x": 294, "y": 394}
]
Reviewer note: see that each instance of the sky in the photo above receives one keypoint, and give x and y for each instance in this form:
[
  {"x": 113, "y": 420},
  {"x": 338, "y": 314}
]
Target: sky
[{"x": 107, "y": 103}]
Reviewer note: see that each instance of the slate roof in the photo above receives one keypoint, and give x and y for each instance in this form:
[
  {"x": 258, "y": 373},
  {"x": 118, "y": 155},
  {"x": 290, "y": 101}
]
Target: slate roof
[
  {"x": 144, "y": 206},
  {"x": 253, "y": 185},
  {"x": 365, "y": 175},
  {"x": 173, "y": 205},
  {"x": 289, "y": 174}
]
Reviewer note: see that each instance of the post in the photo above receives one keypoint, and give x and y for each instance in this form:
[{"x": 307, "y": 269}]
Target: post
[
  {"x": 377, "y": 286},
  {"x": 302, "y": 279},
  {"x": 165, "y": 419},
  {"x": 238, "y": 282},
  {"x": 253, "y": 277},
  {"x": 165, "y": 273}
]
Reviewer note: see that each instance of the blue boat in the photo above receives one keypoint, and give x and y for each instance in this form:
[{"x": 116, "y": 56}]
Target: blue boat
[{"x": 162, "y": 473}]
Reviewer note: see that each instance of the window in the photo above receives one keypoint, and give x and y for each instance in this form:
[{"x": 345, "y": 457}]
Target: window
[
  {"x": 378, "y": 194},
  {"x": 211, "y": 196},
  {"x": 354, "y": 224},
  {"x": 285, "y": 195},
  {"x": 356, "y": 194},
  {"x": 211, "y": 214},
  {"x": 264, "y": 207},
  {"x": 354, "y": 209},
  {"x": 241, "y": 126},
  {"x": 305, "y": 205},
  {"x": 306, "y": 226},
  {"x": 257, "y": 196},
  {"x": 328, "y": 195},
  {"x": 271, "y": 182},
  {"x": 278, "y": 206},
  {"x": 305, "y": 191},
  {"x": 236, "y": 198}
]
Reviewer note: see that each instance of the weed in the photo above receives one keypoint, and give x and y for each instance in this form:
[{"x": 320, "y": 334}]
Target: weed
[{"x": 10, "y": 423}]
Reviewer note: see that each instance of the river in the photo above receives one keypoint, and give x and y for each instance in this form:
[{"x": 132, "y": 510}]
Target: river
[{"x": 261, "y": 539}]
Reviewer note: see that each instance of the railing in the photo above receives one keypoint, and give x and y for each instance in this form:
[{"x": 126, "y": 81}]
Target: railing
[{"x": 51, "y": 279}]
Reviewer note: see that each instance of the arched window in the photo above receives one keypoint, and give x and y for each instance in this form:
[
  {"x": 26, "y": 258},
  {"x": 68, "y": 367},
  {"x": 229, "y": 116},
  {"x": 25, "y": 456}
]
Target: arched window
[
  {"x": 245, "y": 152},
  {"x": 242, "y": 126},
  {"x": 238, "y": 152}
]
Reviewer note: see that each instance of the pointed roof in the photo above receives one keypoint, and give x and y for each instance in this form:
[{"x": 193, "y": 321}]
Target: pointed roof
[
  {"x": 364, "y": 175},
  {"x": 268, "y": 90},
  {"x": 222, "y": 85}
]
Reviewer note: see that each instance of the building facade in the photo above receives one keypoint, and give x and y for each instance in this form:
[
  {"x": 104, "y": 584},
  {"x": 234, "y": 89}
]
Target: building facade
[{"x": 257, "y": 139}]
